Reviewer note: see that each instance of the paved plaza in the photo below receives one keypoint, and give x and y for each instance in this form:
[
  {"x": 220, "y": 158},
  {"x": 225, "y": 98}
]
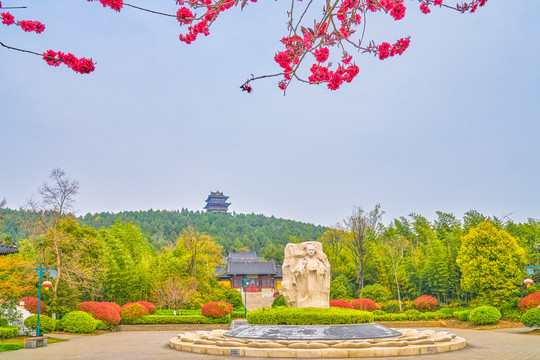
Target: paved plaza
[{"x": 503, "y": 344}]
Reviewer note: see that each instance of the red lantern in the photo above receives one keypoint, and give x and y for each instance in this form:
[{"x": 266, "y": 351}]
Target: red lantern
[
  {"x": 46, "y": 285},
  {"x": 528, "y": 282}
]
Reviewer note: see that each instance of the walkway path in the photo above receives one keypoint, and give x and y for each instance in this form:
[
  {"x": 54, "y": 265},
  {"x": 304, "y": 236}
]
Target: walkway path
[{"x": 502, "y": 344}]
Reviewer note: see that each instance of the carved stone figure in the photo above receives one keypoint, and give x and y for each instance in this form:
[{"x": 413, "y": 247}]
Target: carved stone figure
[{"x": 306, "y": 276}]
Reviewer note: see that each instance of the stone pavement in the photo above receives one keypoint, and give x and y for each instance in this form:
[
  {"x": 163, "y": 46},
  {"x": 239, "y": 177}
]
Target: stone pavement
[{"x": 501, "y": 344}]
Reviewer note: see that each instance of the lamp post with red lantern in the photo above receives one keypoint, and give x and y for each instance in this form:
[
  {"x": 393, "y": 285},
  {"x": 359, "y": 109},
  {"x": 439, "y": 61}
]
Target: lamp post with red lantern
[{"x": 46, "y": 285}]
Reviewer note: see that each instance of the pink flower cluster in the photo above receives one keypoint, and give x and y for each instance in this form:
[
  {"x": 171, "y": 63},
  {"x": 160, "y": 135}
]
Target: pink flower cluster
[
  {"x": 386, "y": 50},
  {"x": 7, "y": 18},
  {"x": 113, "y": 4},
  {"x": 213, "y": 10},
  {"x": 81, "y": 66},
  {"x": 30, "y": 26},
  {"x": 320, "y": 74}
]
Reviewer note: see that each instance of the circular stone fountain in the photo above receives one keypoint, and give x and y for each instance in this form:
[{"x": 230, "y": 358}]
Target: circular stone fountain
[
  {"x": 306, "y": 283},
  {"x": 239, "y": 342}
]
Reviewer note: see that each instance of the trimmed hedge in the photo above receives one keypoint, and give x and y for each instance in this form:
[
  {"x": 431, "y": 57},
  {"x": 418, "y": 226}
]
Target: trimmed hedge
[
  {"x": 279, "y": 301},
  {"x": 171, "y": 319},
  {"x": 308, "y": 316},
  {"x": 238, "y": 314},
  {"x": 484, "y": 315},
  {"x": 531, "y": 317},
  {"x": 462, "y": 315},
  {"x": 46, "y": 324},
  {"x": 9, "y": 332},
  {"x": 79, "y": 322},
  {"x": 132, "y": 311}
]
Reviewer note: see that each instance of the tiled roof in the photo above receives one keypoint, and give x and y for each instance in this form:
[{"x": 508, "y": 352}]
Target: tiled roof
[
  {"x": 252, "y": 268},
  {"x": 243, "y": 257},
  {"x": 8, "y": 249}
]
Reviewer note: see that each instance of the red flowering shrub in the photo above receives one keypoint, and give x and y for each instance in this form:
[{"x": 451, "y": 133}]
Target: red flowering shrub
[
  {"x": 364, "y": 304},
  {"x": 133, "y": 311},
  {"x": 114, "y": 305},
  {"x": 217, "y": 309},
  {"x": 426, "y": 303},
  {"x": 341, "y": 303},
  {"x": 529, "y": 302},
  {"x": 149, "y": 306},
  {"x": 31, "y": 304},
  {"x": 102, "y": 311}
]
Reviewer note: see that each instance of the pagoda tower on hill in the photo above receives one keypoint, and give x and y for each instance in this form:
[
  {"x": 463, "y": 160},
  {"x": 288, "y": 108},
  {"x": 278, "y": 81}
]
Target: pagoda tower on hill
[{"x": 217, "y": 202}]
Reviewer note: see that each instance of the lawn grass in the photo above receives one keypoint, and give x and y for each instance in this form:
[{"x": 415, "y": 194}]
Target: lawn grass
[{"x": 17, "y": 343}]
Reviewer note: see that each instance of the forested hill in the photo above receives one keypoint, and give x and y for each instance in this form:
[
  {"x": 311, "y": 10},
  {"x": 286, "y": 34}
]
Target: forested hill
[{"x": 232, "y": 231}]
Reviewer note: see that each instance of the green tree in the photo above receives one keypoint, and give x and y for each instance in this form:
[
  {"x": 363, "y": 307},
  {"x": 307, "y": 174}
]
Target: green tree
[{"x": 491, "y": 262}]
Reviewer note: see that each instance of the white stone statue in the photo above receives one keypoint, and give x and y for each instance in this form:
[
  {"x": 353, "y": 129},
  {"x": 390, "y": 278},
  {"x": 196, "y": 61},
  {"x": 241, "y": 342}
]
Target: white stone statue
[{"x": 306, "y": 276}]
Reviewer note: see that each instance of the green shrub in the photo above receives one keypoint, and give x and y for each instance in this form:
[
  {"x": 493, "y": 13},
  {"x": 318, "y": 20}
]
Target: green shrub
[
  {"x": 531, "y": 317},
  {"x": 462, "y": 315},
  {"x": 447, "y": 312},
  {"x": 102, "y": 325},
  {"x": 184, "y": 319},
  {"x": 9, "y": 332},
  {"x": 234, "y": 297},
  {"x": 79, "y": 322},
  {"x": 217, "y": 309},
  {"x": 391, "y": 307},
  {"x": 376, "y": 292},
  {"x": 279, "y": 301},
  {"x": 308, "y": 316},
  {"x": 46, "y": 324},
  {"x": 429, "y": 316},
  {"x": 379, "y": 312},
  {"x": 133, "y": 311},
  {"x": 238, "y": 314},
  {"x": 412, "y": 315},
  {"x": 484, "y": 315},
  {"x": 426, "y": 303}
]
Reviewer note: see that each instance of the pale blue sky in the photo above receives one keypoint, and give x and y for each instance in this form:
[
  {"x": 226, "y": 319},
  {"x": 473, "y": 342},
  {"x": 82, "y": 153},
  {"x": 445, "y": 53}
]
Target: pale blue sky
[{"x": 451, "y": 125}]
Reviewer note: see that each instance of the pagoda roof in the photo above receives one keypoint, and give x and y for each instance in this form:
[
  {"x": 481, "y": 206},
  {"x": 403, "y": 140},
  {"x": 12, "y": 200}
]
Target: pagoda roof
[{"x": 8, "y": 249}]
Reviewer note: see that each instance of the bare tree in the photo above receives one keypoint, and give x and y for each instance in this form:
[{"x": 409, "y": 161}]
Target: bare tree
[
  {"x": 2, "y": 214},
  {"x": 395, "y": 249},
  {"x": 362, "y": 228},
  {"x": 57, "y": 199},
  {"x": 174, "y": 292}
]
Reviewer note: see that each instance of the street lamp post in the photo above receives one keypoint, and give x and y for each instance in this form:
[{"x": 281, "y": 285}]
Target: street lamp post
[
  {"x": 245, "y": 297},
  {"x": 41, "y": 270}
]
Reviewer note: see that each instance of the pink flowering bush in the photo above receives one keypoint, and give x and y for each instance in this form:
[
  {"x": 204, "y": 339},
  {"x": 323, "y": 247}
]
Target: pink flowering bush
[
  {"x": 364, "y": 304},
  {"x": 31, "y": 304},
  {"x": 149, "y": 306},
  {"x": 341, "y": 303},
  {"x": 529, "y": 302},
  {"x": 217, "y": 309},
  {"x": 102, "y": 311},
  {"x": 133, "y": 311},
  {"x": 426, "y": 303}
]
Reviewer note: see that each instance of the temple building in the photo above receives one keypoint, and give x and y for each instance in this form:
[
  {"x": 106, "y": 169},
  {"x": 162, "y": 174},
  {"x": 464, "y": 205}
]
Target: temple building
[
  {"x": 259, "y": 275},
  {"x": 217, "y": 202},
  {"x": 8, "y": 249}
]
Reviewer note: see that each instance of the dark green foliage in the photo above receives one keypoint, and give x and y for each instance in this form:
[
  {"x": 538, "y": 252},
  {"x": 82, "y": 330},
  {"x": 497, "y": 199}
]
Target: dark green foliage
[
  {"x": 531, "y": 317},
  {"x": 46, "y": 324},
  {"x": 375, "y": 292},
  {"x": 3, "y": 322},
  {"x": 279, "y": 301},
  {"x": 184, "y": 319},
  {"x": 429, "y": 316},
  {"x": 79, "y": 322},
  {"x": 9, "y": 332},
  {"x": 102, "y": 325},
  {"x": 484, "y": 315},
  {"x": 308, "y": 316},
  {"x": 379, "y": 312}
]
